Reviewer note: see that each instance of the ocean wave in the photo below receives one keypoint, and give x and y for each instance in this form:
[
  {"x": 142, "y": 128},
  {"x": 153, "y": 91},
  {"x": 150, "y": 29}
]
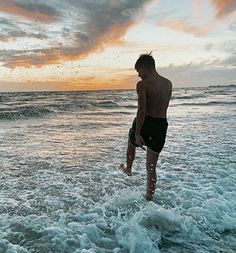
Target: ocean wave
[
  {"x": 210, "y": 103},
  {"x": 112, "y": 104},
  {"x": 27, "y": 105},
  {"x": 223, "y": 86},
  {"x": 23, "y": 112},
  {"x": 16, "y": 111},
  {"x": 108, "y": 103},
  {"x": 188, "y": 96}
]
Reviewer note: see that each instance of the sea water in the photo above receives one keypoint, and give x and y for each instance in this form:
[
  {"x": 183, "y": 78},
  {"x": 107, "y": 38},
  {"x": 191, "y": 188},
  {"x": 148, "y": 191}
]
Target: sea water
[{"x": 61, "y": 189}]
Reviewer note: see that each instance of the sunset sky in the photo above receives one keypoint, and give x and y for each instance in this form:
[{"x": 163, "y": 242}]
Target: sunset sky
[{"x": 93, "y": 44}]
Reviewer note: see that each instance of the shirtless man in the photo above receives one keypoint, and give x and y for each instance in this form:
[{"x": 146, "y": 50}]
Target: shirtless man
[{"x": 150, "y": 125}]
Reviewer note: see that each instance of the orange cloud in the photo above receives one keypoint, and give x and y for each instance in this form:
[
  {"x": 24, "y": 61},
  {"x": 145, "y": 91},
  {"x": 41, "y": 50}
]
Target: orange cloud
[
  {"x": 183, "y": 26},
  {"x": 10, "y": 37},
  {"x": 5, "y": 38},
  {"x": 37, "y": 12},
  {"x": 103, "y": 26},
  {"x": 224, "y": 7},
  {"x": 39, "y": 58},
  {"x": 196, "y": 7}
]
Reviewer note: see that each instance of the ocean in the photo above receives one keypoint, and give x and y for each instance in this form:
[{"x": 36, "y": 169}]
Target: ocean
[{"x": 61, "y": 189}]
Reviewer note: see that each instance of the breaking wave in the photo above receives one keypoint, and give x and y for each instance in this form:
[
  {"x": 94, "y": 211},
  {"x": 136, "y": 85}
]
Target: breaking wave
[
  {"x": 23, "y": 112},
  {"x": 39, "y": 104}
]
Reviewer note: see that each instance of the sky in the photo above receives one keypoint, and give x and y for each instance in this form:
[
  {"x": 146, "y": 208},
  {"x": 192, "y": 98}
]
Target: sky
[{"x": 94, "y": 44}]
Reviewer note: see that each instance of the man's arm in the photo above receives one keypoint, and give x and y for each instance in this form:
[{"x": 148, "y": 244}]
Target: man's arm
[{"x": 142, "y": 108}]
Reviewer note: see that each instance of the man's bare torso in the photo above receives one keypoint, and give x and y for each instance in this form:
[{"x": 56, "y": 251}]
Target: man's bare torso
[{"x": 158, "y": 93}]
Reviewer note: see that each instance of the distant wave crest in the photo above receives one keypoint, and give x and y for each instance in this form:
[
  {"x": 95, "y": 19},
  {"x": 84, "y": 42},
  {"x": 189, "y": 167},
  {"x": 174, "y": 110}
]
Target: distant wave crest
[
  {"x": 107, "y": 103},
  {"x": 23, "y": 112},
  {"x": 40, "y": 104},
  {"x": 112, "y": 104},
  {"x": 211, "y": 103}
]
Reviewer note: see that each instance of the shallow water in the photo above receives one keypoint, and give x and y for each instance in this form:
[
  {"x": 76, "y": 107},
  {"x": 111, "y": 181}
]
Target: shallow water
[{"x": 61, "y": 189}]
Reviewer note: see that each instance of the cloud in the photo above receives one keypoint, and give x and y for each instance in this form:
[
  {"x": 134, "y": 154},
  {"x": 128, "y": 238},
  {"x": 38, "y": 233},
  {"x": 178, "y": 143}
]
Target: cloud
[
  {"x": 30, "y": 10},
  {"x": 208, "y": 46},
  {"x": 205, "y": 73},
  {"x": 231, "y": 60},
  {"x": 232, "y": 27},
  {"x": 5, "y": 22},
  {"x": 198, "y": 25},
  {"x": 10, "y": 31},
  {"x": 12, "y": 35},
  {"x": 224, "y": 7},
  {"x": 86, "y": 27},
  {"x": 228, "y": 46},
  {"x": 20, "y": 34},
  {"x": 196, "y": 7},
  {"x": 185, "y": 26},
  {"x": 29, "y": 58},
  {"x": 55, "y": 55}
]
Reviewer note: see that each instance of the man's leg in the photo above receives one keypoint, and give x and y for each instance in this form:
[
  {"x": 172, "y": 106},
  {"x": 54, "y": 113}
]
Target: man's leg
[
  {"x": 151, "y": 162},
  {"x": 130, "y": 155}
]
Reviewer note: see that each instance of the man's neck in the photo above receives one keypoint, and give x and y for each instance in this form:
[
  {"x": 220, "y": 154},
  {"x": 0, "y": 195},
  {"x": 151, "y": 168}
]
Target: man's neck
[{"x": 152, "y": 75}]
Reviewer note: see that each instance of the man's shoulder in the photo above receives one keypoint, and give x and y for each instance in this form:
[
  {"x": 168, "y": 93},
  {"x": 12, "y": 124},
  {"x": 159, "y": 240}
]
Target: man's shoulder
[
  {"x": 141, "y": 85},
  {"x": 166, "y": 82}
]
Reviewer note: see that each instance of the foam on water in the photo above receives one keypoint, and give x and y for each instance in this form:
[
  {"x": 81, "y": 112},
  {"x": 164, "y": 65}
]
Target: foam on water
[{"x": 61, "y": 190}]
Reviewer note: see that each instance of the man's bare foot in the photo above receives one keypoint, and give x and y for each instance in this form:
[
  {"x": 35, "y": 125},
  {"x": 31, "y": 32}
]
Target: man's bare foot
[
  {"x": 149, "y": 197},
  {"x": 149, "y": 194},
  {"x": 125, "y": 169}
]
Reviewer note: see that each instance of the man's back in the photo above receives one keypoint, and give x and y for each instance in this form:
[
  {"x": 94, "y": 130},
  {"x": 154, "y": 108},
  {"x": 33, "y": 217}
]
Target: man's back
[{"x": 158, "y": 93}]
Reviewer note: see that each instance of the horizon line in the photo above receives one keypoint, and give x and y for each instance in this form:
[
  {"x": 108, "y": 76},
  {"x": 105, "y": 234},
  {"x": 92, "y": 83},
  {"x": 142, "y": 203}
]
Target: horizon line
[{"x": 124, "y": 89}]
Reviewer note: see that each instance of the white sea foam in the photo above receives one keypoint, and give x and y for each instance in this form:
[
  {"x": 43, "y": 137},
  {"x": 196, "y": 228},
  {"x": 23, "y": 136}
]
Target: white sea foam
[{"x": 61, "y": 189}]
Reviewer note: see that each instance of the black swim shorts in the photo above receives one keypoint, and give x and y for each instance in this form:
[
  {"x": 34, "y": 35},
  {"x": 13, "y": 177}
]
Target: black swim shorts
[{"x": 153, "y": 133}]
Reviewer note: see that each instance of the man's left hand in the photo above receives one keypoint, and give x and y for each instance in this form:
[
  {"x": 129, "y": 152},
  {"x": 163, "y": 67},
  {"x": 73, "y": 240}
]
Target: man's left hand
[{"x": 139, "y": 141}]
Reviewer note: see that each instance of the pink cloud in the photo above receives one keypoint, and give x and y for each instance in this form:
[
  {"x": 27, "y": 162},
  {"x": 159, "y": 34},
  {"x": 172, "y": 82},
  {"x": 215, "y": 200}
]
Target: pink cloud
[
  {"x": 224, "y": 7},
  {"x": 184, "y": 26}
]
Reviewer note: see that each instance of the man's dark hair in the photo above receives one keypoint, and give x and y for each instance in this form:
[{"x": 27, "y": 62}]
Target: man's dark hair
[{"x": 145, "y": 61}]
